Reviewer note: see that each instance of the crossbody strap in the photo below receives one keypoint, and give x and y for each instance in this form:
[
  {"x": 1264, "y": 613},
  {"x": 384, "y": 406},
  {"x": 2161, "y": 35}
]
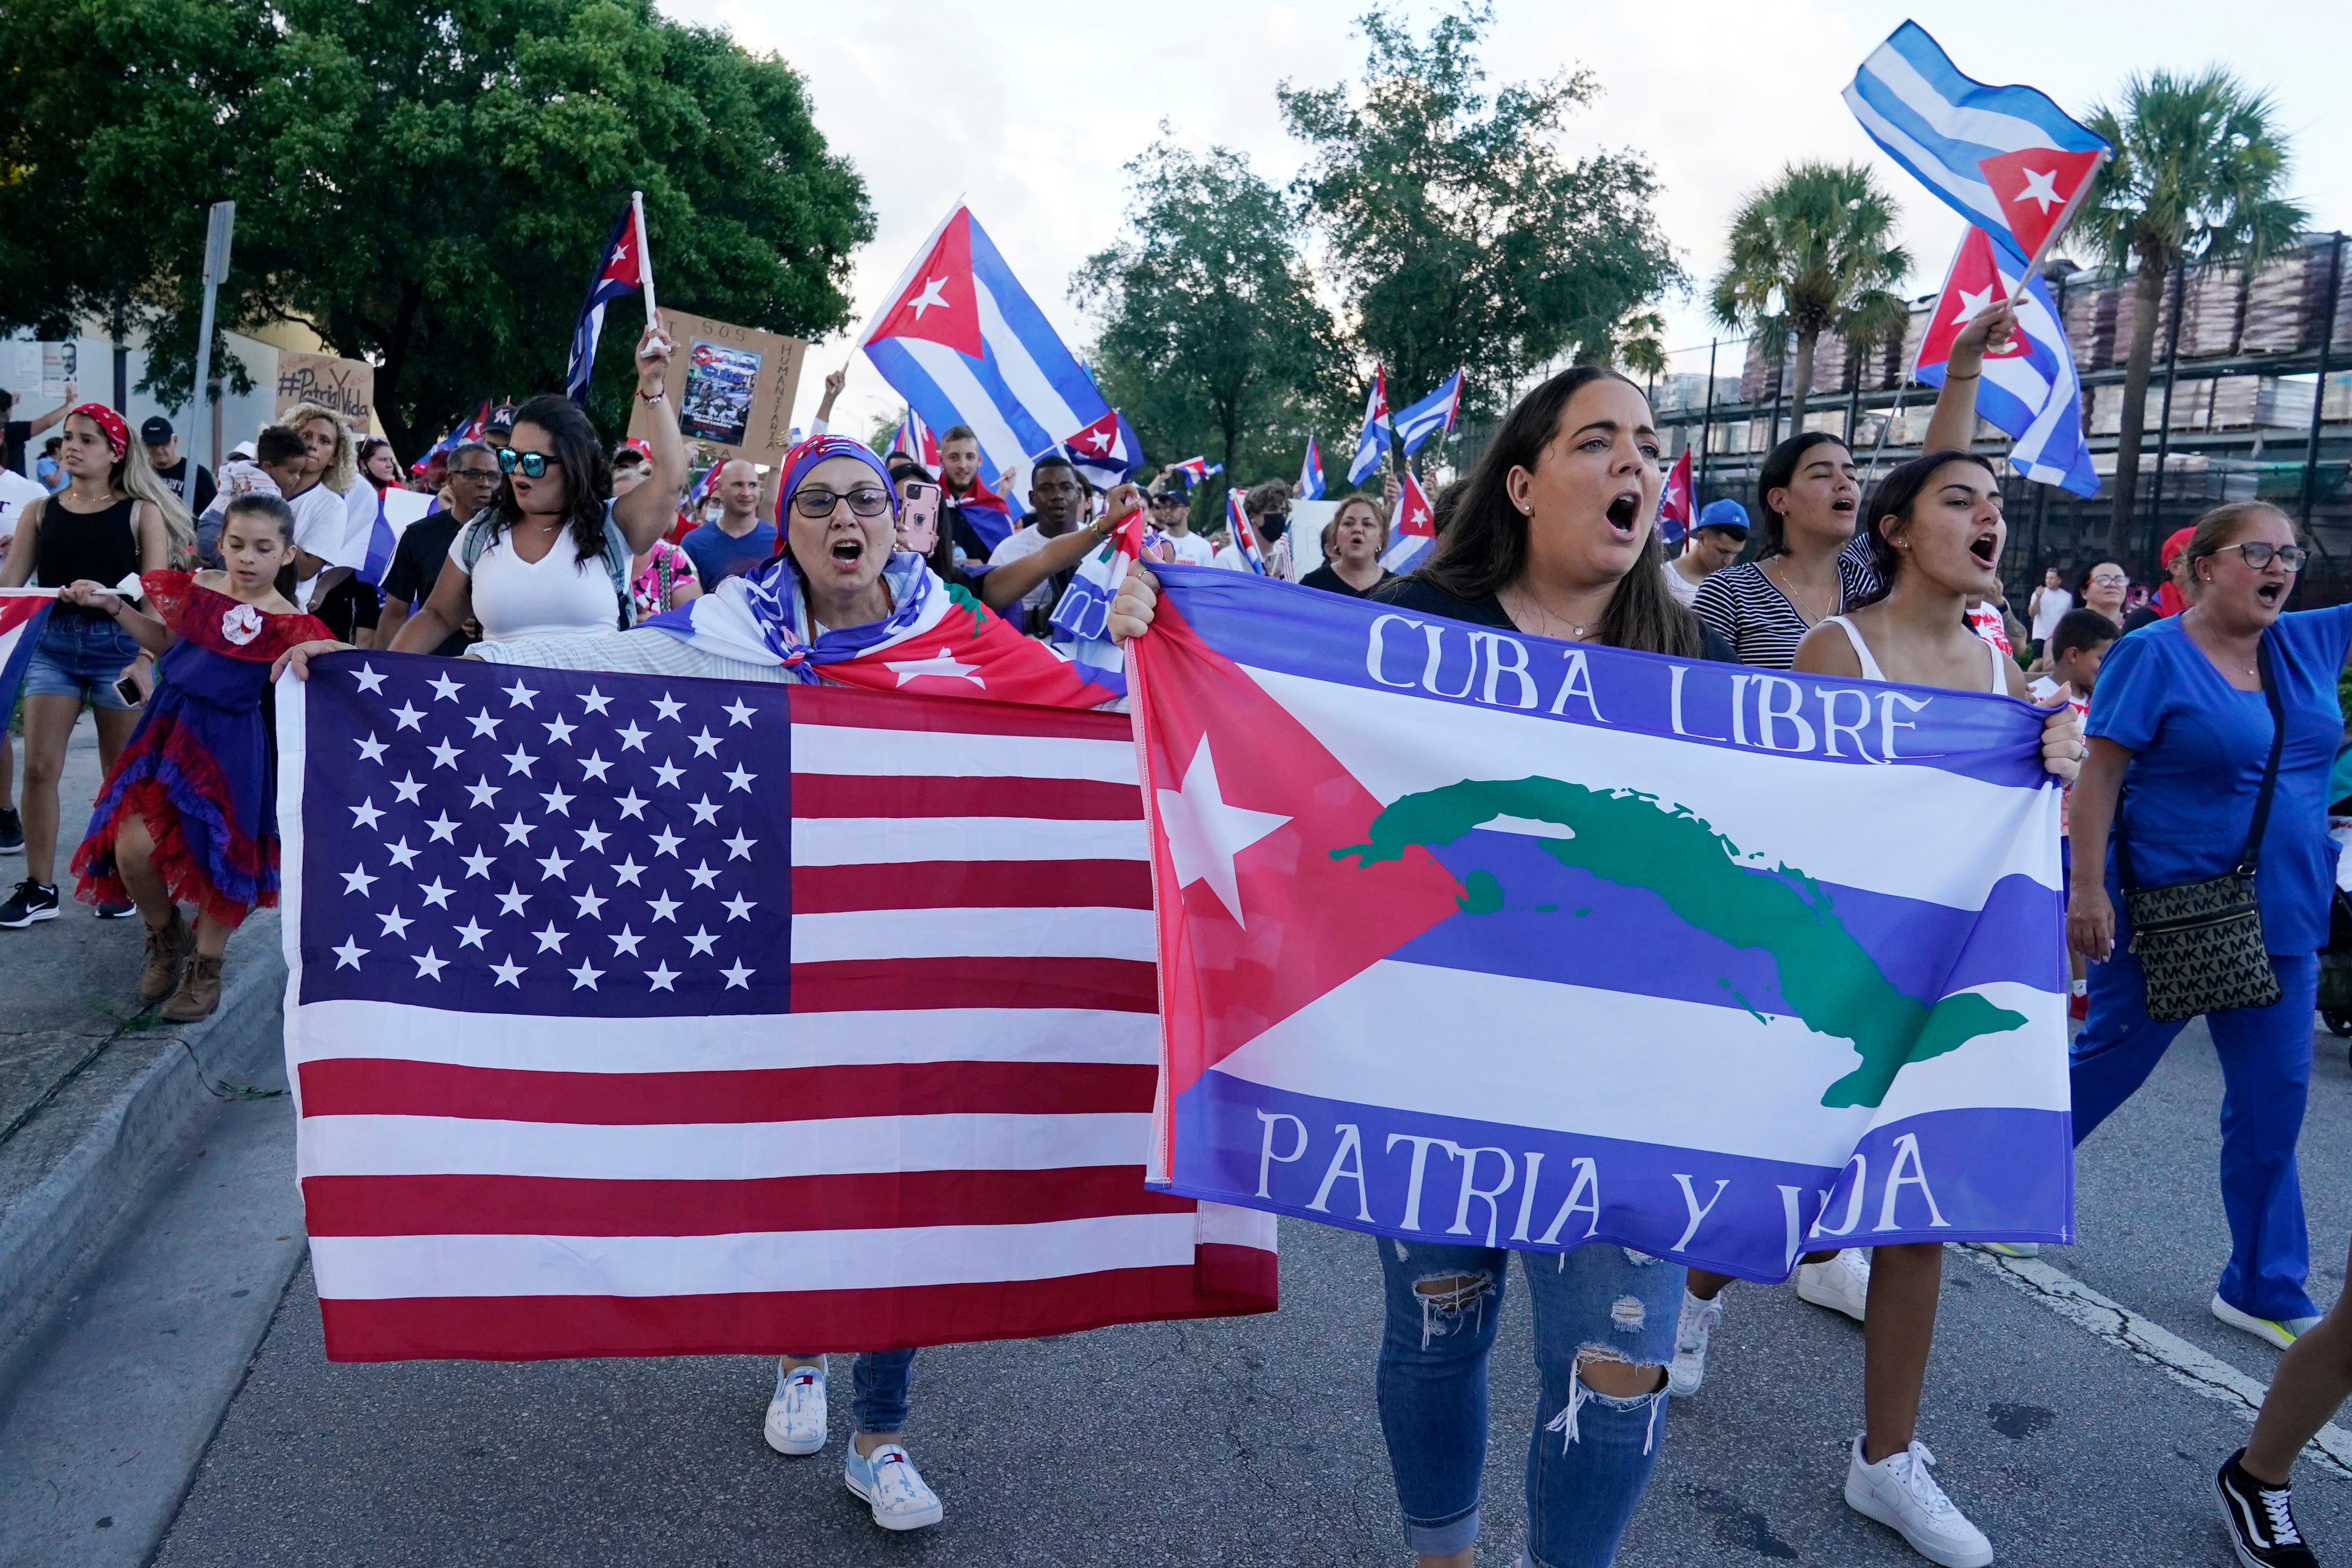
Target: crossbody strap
[{"x": 2251, "y": 855}]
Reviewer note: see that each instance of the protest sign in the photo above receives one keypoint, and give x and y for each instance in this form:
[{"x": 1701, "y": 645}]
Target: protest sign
[
  {"x": 732, "y": 387},
  {"x": 347, "y": 386}
]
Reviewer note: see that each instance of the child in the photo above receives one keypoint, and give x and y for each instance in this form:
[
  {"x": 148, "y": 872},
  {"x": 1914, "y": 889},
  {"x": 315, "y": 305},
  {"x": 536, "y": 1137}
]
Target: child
[
  {"x": 279, "y": 456},
  {"x": 2076, "y": 648},
  {"x": 187, "y": 813}
]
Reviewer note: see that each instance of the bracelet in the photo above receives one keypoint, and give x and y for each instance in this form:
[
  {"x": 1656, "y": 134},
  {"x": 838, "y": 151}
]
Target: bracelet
[
  {"x": 653, "y": 397},
  {"x": 1972, "y": 375}
]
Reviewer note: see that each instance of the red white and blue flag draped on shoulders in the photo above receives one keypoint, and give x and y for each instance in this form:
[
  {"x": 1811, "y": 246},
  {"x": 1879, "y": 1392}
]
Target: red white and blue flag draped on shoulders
[
  {"x": 636, "y": 1017},
  {"x": 1469, "y": 936}
]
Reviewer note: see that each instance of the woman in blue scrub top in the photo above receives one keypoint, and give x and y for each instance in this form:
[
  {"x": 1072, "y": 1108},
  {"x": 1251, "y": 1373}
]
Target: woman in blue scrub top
[{"x": 2181, "y": 728}]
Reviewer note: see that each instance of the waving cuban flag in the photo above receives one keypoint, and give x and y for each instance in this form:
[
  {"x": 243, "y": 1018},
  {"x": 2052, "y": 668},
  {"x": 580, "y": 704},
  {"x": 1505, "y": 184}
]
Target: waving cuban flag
[
  {"x": 1431, "y": 414},
  {"x": 1085, "y": 608},
  {"x": 1195, "y": 470},
  {"x": 2005, "y": 158},
  {"x": 1372, "y": 441},
  {"x": 463, "y": 429},
  {"x": 1106, "y": 452},
  {"x": 1415, "y": 534},
  {"x": 620, "y": 272},
  {"x": 963, "y": 343},
  {"x": 1310, "y": 474},
  {"x": 916, "y": 439},
  {"x": 1674, "y": 510},
  {"x": 1244, "y": 537},
  {"x": 2030, "y": 389}
]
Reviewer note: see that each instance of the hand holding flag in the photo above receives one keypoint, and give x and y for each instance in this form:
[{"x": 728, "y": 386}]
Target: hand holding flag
[
  {"x": 622, "y": 269},
  {"x": 2030, "y": 390}
]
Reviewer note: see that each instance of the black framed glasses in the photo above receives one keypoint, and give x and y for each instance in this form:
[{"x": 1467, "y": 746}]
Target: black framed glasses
[
  {"x": 866, "y": 501},
  {"x": 2259, "y": 555},
  {"x": 532, "y": 464},
  {"x": 482, "y": 475}
]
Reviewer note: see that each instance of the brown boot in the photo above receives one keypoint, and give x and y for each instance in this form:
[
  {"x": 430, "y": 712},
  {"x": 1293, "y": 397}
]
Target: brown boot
[
  {"x": 199, "y": 991},
  {"x": 167, "y": 950}
]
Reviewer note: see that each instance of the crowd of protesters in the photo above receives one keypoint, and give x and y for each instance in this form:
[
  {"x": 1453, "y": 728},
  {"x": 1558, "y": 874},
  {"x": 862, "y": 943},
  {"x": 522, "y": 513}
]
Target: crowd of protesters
[{"x": 2195, "y": 728}]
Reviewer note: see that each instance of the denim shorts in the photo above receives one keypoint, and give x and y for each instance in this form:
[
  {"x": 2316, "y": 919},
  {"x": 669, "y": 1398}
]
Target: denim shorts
[{"x": 81, "y": 656}]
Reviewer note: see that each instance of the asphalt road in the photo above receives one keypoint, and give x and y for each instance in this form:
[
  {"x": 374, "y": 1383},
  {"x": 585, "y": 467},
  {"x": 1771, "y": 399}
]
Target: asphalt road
[{"x": 1255, "y": 1440}]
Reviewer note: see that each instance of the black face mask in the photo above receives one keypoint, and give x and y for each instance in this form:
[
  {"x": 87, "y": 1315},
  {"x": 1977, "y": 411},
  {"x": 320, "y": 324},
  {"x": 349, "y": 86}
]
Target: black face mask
[{"x": 1270, "y": 529}]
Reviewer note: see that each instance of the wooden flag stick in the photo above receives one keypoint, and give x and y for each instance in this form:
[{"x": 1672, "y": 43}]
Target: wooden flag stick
[{"x": 645, "y": 259}]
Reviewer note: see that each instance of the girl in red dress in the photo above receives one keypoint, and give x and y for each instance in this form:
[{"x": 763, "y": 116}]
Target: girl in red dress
[{"x": 188, "y": 813}]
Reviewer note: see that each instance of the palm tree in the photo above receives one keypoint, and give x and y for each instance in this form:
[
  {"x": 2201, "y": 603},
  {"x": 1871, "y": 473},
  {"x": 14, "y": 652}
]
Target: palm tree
[
  {"x": 1813, "y": 253},
  {"x": 2199, "y": 162}
]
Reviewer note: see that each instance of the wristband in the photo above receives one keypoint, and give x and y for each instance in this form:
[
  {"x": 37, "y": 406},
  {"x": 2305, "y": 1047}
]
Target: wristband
[{"x": 653, "y": 396}]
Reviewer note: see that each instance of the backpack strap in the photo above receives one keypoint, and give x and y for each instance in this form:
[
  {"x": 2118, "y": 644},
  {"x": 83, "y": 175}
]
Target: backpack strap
[{"x": 617, "y": 558}]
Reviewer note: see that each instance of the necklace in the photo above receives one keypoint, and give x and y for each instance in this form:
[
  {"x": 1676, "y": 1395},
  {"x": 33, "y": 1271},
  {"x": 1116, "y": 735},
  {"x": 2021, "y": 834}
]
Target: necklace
[
  {"x": 1577, "y": 632},
  {"x": 1805, "y": 612}
]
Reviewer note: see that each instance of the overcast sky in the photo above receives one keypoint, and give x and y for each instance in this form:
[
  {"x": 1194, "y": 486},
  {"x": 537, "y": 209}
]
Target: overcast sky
[{"x": 1028, "y": 110}]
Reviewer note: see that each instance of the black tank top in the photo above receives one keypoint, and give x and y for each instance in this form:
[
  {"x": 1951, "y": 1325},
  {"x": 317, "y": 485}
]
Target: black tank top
[{"x": 70, "y": 545}]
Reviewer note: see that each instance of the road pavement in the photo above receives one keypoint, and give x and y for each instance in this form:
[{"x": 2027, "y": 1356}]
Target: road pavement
[{"x": 1255, "y": 1441}]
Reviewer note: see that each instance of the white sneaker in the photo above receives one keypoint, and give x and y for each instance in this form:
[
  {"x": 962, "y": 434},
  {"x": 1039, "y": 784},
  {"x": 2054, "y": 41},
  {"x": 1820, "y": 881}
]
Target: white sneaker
[
  {"x": 888, "y": 1481},
  {"x": 1689, "y": 1368},
  {"x": 2280, "y": 1332},
  {"x": 796, "y": 1423},
  {"x": 1842, "y": 1284},
  {"x": 1899, "y": 1493}
]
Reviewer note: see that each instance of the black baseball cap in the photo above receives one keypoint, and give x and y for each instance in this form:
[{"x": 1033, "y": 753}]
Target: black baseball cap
[{"x": 156, "y": 431}]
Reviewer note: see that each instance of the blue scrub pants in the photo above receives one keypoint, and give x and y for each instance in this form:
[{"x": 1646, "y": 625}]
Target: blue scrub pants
[{"x": 2266, "y": 1074}]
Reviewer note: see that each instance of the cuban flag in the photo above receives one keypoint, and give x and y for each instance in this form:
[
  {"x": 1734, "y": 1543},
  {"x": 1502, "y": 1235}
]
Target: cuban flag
[
  {"x": 1479, "y": 940},
  {"x": 916, "y": 439},
  {"x": 1085, "y": 607},
  {"x": 1310, "y": 474},
  {"x": 963, "y": 342},
  {"x": 1431, "y": 414},
  {"x": 2030, "y": 389},
  {"x": 23, "y": 612},
  {"x": 1416, "y": 532},
  {"x": 1372, "y": 441},
  {"x": 1675, "y": 511},
  {"x": 2005, "y": 158},
  {"x": 1244, "y": 537},
  {"x": 1195, "y": 470},
  {"x": 1106, "y": 452},
  {"x": 464, "y": 430},
  {"x": 620, "y": 273}
]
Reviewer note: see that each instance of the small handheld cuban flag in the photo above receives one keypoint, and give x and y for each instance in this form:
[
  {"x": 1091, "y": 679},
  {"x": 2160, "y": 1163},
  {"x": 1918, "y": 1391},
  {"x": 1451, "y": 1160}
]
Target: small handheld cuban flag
[
  {"x": 1675, "y": 502},
  {"x": 1310, "y": 474},
  {"x": 1106, "y": 452},
  {"x": 23, "y": 612},
  {"x": 2005, "y": 158},
  {"x": 1195, "y": 470},
  {"x": 916, "y": 441},
  {"x": 1085, "y": 607},
  {"x": 2030, "y": 389},
  {"x": 1372, "y": 441},
  {"x": 1244, "y": 537},
  {"x": 622, "y": 270},
  {"x": 1415, "y": 534},
  {"x": 463, "y": 430},
  {"x": 1431, "y": 414}
]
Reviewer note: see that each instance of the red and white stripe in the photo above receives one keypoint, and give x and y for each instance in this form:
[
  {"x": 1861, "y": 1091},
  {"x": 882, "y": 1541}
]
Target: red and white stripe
[{"x": 943, "y": 1141}]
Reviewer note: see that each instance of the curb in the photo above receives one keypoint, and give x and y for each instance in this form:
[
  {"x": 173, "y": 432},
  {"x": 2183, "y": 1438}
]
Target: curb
[{"x": 136, "y": 1132}]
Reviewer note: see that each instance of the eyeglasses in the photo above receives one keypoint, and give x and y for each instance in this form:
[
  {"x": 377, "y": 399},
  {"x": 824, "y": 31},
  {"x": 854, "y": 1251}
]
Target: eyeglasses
[
  {"x": 534, "y": 464},
  {"x": 2259, "y": 555},
  {"x": 866, "y": 501},
  {"x": 2111, "y": 580},
  {"x": 486, "y": 475}
]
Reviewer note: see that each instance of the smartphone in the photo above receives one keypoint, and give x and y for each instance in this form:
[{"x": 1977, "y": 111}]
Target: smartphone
[
  {"x": 918, "y": 518},
  {"x": 128, "y": 690}
]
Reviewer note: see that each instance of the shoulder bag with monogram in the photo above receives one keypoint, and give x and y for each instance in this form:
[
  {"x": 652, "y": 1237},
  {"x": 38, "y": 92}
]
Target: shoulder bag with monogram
[{"x": 2200, "y": 943}]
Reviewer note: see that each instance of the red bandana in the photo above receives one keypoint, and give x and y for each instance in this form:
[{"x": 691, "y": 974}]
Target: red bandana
[{"x": 118, "y": 435}]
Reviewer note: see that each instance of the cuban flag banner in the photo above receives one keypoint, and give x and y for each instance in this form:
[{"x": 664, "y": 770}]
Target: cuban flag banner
[
  {"x": 963, "y": 342},
  {"x": 1674, "y": 501},
  {"x": 463, "y": 430},
  {"x": 1310, "y": 474},
  {"x": 23, "y": 612},
  {"x": 1195, "y": 470},
  {"x": 1106, "y": 452},
  {"x": 1372, "y": 441},
  {"x": 1085, "y": 607},
  {"x": 916, "y": 439},
  {"x": 2030, "y": 389},
  {"x": 621, "y": 271},
  {"x": 1415, "y": 533},
  {"x": 2005, "y": 158},
  {"x": 1481, "y": 939},
  {"x": 1431, "y": 414},
  {"x": 1244, "y": 537}
]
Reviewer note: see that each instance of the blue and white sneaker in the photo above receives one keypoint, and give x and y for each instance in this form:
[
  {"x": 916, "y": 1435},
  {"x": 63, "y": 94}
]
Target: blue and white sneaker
[
  {"x": 888, "y": 1481},
  {"x": 796, "y": 1423}
]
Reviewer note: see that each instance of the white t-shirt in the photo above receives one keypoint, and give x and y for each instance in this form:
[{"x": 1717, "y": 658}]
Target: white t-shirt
[
  {"x": 556, "y": 595},
  {"x": 1191, "y": 550},
  {"x": 322, "y": 529},
  {"x": 2049, "y": 610},
  {"x": 1685, "y": 591},
  {"x": 1020, "y": 544},
  {"x": 1278, "y": 563},
  {"x": 15, "y": 493}
]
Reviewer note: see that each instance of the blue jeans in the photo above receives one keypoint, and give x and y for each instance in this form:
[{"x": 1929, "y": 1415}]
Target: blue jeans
[
  {"x": 2265, "y": 1073},
  {"x": 1590, "y": 1457},
  {"x": 878, "y": 1386},
  {"x": 79, "y": 656}
]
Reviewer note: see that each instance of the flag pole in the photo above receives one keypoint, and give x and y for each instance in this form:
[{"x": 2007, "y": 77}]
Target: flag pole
[{"x": 645, "y": 257}]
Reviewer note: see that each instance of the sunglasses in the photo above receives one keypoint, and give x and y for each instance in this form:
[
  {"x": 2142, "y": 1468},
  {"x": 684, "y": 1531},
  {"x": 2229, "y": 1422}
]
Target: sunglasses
[
  {"x": 866, "y": 501},
  {"x": 532, "y": 464}
]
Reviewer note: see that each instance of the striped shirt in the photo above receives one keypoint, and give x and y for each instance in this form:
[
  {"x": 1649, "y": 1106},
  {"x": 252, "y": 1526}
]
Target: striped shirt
[{"x": 1742, "y": 605}]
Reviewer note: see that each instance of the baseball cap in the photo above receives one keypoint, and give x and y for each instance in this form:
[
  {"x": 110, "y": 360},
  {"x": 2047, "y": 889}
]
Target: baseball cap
[
  {"x": 1726, "y": 514},
  {"x": 156, "y": 431},
  {"x": 637, "y": 447},
  {"x": 2173, "y": 547},
  {"x": 501, "y": 418}
]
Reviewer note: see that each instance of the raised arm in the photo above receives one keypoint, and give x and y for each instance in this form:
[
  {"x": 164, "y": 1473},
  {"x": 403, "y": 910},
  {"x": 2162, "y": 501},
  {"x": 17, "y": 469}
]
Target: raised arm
[
  {"x": 1953, "y": 426},
  {"x": 35, "y": 427},
  {"x": 1002, "y": 587},
  {"x": 646, "y": 513}
]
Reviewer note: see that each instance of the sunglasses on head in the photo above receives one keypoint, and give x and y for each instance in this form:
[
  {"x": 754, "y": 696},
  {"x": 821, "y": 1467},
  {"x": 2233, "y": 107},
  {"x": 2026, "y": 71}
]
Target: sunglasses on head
[{"x": 532, "y": 464}]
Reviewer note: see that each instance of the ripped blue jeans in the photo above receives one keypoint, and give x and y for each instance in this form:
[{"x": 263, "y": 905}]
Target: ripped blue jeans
[{"x": 1590, "y": 1457}]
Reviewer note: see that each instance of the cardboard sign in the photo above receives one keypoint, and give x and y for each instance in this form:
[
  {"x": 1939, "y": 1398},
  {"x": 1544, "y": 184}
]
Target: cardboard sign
[
  {"x": 732, "y": 388},
  {"x": 347, "y": 386}
]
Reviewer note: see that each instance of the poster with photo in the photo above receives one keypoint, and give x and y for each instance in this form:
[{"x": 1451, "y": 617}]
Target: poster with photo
[
  {"x": 715, "y": 402},
  {"x": 732, "y": 387}
]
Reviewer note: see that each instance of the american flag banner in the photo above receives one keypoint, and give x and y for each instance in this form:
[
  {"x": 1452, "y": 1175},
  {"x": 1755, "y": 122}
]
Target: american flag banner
[{"x": 630, "y": 1016}]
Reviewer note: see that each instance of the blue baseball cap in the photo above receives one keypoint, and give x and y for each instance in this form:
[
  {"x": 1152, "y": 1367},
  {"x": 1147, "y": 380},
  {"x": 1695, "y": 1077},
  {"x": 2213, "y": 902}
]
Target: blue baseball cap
[{"x": 1726, "y": 514}]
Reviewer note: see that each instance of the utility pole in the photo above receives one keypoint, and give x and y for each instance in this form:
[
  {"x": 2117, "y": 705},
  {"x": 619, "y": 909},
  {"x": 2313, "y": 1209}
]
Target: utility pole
[
  {"x": 2319, "y": 383},
  {"x": 1707, "y": 421},
  {"x": 223, "y": 224}
]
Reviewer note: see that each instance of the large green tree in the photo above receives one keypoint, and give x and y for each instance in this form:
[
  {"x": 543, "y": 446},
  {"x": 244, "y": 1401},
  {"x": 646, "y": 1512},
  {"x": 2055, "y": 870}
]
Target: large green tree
[
  {"x": 2199, "y": 175},
  {"x": 425, "y": 183},
  {"x": 1813, "y": 252},
  {"x": 1212, "y": 339},
  {"x": 1457, "y": 234}
]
